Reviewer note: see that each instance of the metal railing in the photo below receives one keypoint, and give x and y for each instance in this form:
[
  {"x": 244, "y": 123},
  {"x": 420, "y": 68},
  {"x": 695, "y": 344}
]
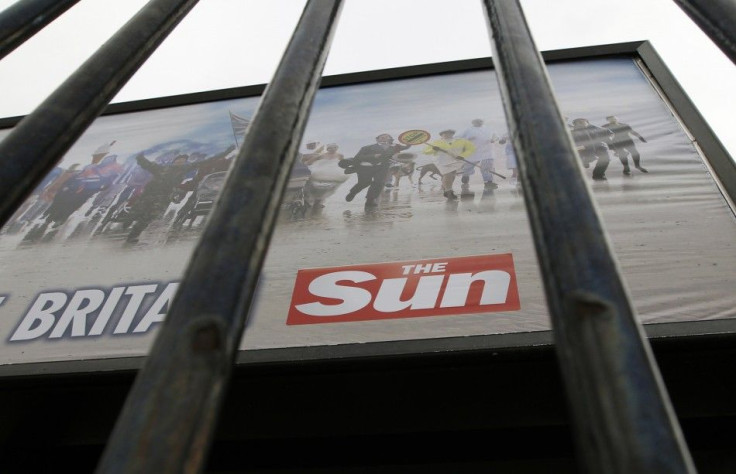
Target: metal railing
[
  {"x": 622, "y": 417},
  {"x": 39, "y": 141},
  {"x": 24, "y": 19}
]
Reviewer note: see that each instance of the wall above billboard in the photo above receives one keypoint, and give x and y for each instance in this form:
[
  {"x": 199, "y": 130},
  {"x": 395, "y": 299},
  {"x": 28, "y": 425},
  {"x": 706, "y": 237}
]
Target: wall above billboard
[{"x": 385, "y": 237}]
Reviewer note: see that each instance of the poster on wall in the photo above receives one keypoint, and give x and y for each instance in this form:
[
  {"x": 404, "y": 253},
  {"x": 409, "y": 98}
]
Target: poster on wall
[{"x": 403, "y": 218}]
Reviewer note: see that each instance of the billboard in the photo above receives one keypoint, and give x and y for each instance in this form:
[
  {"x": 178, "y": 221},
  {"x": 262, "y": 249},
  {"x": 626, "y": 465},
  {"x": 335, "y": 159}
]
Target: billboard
[{"x": 403, "y": 218}]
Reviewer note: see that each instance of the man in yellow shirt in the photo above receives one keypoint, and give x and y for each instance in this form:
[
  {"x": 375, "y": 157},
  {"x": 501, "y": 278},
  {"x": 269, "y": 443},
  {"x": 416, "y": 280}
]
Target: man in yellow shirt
[{"x": 450, "y": 152}]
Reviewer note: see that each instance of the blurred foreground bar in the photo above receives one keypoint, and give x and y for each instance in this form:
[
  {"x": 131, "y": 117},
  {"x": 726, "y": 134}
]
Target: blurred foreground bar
[
  {"x": 622, "y": 416},
  {"x": 25, "y": 18},
  {"x": 40, "y": 140},
  {"x": 168, "y": 419},
  {"x": 717, "y": 19}
]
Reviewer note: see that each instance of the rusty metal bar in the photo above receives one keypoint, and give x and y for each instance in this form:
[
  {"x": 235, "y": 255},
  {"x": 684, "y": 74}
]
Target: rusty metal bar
[
  {"x": 170, "y": 414},
  {"x": 621, "y": 414},
  {"x": 717, "y": 19},
  {"x": 40, "y": 140},
  {"x": 25, "y": 18}
]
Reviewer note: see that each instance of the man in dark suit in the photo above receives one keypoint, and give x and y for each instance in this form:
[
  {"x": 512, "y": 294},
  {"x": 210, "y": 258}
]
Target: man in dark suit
[
  {"x": 591, "y": 143},
  {"x": 371, "y": 164}
]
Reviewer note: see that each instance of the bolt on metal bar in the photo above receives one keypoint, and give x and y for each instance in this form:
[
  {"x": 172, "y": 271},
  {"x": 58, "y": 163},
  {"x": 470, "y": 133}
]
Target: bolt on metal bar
[
  {"x": 25, "y": 18},
  {"x": 717, "y": 19},
  {"x": 168, "y": 419},
  {"x": 40, "y": 140},
  {"x": 621, "y": 415}
]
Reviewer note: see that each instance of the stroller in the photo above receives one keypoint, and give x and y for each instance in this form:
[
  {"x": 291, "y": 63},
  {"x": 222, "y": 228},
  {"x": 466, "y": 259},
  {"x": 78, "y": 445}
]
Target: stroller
[{"x": 294, "y": 200}]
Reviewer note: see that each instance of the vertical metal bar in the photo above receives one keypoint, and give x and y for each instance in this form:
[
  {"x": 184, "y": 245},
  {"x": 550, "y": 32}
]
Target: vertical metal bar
[
  {"x": 622, "y": 417},
  {"x": 170, "y": 413},
  {"x": 39, "y": 141},
  {"x": 25, "y": 18},
  {"x": 717, "y": 19}
]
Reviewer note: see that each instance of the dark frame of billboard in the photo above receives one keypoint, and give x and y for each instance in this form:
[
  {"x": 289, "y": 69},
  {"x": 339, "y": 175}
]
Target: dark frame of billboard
[{"x": 719, "y": 161}]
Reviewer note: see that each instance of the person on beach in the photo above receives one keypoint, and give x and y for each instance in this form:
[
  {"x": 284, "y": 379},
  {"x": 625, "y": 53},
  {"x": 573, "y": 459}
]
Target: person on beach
[
  {"x": 451, "y": 154},
  {"x": 622, "y": 145},
  {"x": 483, "y": 139},
  {"x": 591, "y": 144},
  {"x": 371, "y": 164}
]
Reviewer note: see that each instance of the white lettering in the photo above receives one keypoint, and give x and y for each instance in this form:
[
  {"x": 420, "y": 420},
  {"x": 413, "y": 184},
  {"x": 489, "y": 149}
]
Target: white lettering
[
  {"x": 495, "y": 288},
  {"x": 106, "y": 311},
  {"x": 352, "y": 298},
  {"x": 423, "y": 268},
  {"x": 439, "y": 267},
  {"x": 388, "y": 299},
  {"x": 156, "y": 313},
  {"x": 42, "y": 311},
  {"x": 82, "y": 304},
  {"x": 137, "y": 293}
]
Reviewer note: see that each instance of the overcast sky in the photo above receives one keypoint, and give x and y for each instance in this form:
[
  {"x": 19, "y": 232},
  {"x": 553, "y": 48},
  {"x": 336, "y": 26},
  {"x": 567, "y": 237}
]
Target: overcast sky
[{"x": 230, "y": 43}]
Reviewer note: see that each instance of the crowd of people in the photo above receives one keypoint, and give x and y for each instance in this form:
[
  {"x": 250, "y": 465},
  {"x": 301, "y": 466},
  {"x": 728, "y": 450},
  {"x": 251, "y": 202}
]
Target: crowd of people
[
  {"x": 382, "y": 164},
  {"x": 139, "y": 191},
  {"x": 132, "y": 194}
]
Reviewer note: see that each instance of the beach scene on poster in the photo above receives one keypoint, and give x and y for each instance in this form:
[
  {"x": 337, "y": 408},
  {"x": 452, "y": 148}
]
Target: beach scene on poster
[{"x": 403, "y": 218}]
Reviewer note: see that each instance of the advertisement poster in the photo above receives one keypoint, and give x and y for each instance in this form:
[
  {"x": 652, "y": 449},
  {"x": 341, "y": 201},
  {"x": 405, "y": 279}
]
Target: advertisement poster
[{"x": 376, "y": 240}]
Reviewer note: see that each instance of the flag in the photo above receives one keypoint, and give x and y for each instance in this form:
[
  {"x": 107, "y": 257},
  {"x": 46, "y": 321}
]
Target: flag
[
  {"x": 103, "y": 149},
  {"x": 240, "y": 125}
]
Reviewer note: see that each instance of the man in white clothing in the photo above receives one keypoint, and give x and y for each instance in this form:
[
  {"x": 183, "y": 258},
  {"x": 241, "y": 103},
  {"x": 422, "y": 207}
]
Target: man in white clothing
[{"x": 483, "y": 139}]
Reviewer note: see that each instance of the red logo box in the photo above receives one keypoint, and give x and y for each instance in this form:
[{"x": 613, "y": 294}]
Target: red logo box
[{"x": 437, "y": 287}]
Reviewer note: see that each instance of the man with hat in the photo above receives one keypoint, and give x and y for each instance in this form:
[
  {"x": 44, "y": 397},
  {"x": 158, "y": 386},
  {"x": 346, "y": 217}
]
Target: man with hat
[{"x": 451, "y": 153}]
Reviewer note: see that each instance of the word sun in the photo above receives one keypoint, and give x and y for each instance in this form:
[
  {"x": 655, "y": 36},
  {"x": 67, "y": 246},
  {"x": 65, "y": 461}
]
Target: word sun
[{"x": 393, "y": 290}]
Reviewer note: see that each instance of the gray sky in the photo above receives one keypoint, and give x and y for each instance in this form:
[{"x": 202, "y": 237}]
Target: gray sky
[{"x": 230, "y": 43}]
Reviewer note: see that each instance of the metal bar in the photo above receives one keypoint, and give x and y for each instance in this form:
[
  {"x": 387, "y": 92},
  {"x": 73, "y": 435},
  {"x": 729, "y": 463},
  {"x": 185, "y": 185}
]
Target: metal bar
[
  {"x": 170, "y": 414},
  {"x": 621, "y": 414},
  {"x": 717, "y": 19},
  {"x": 25, "y": 18},
  {"x": 39, "y": 141}
]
